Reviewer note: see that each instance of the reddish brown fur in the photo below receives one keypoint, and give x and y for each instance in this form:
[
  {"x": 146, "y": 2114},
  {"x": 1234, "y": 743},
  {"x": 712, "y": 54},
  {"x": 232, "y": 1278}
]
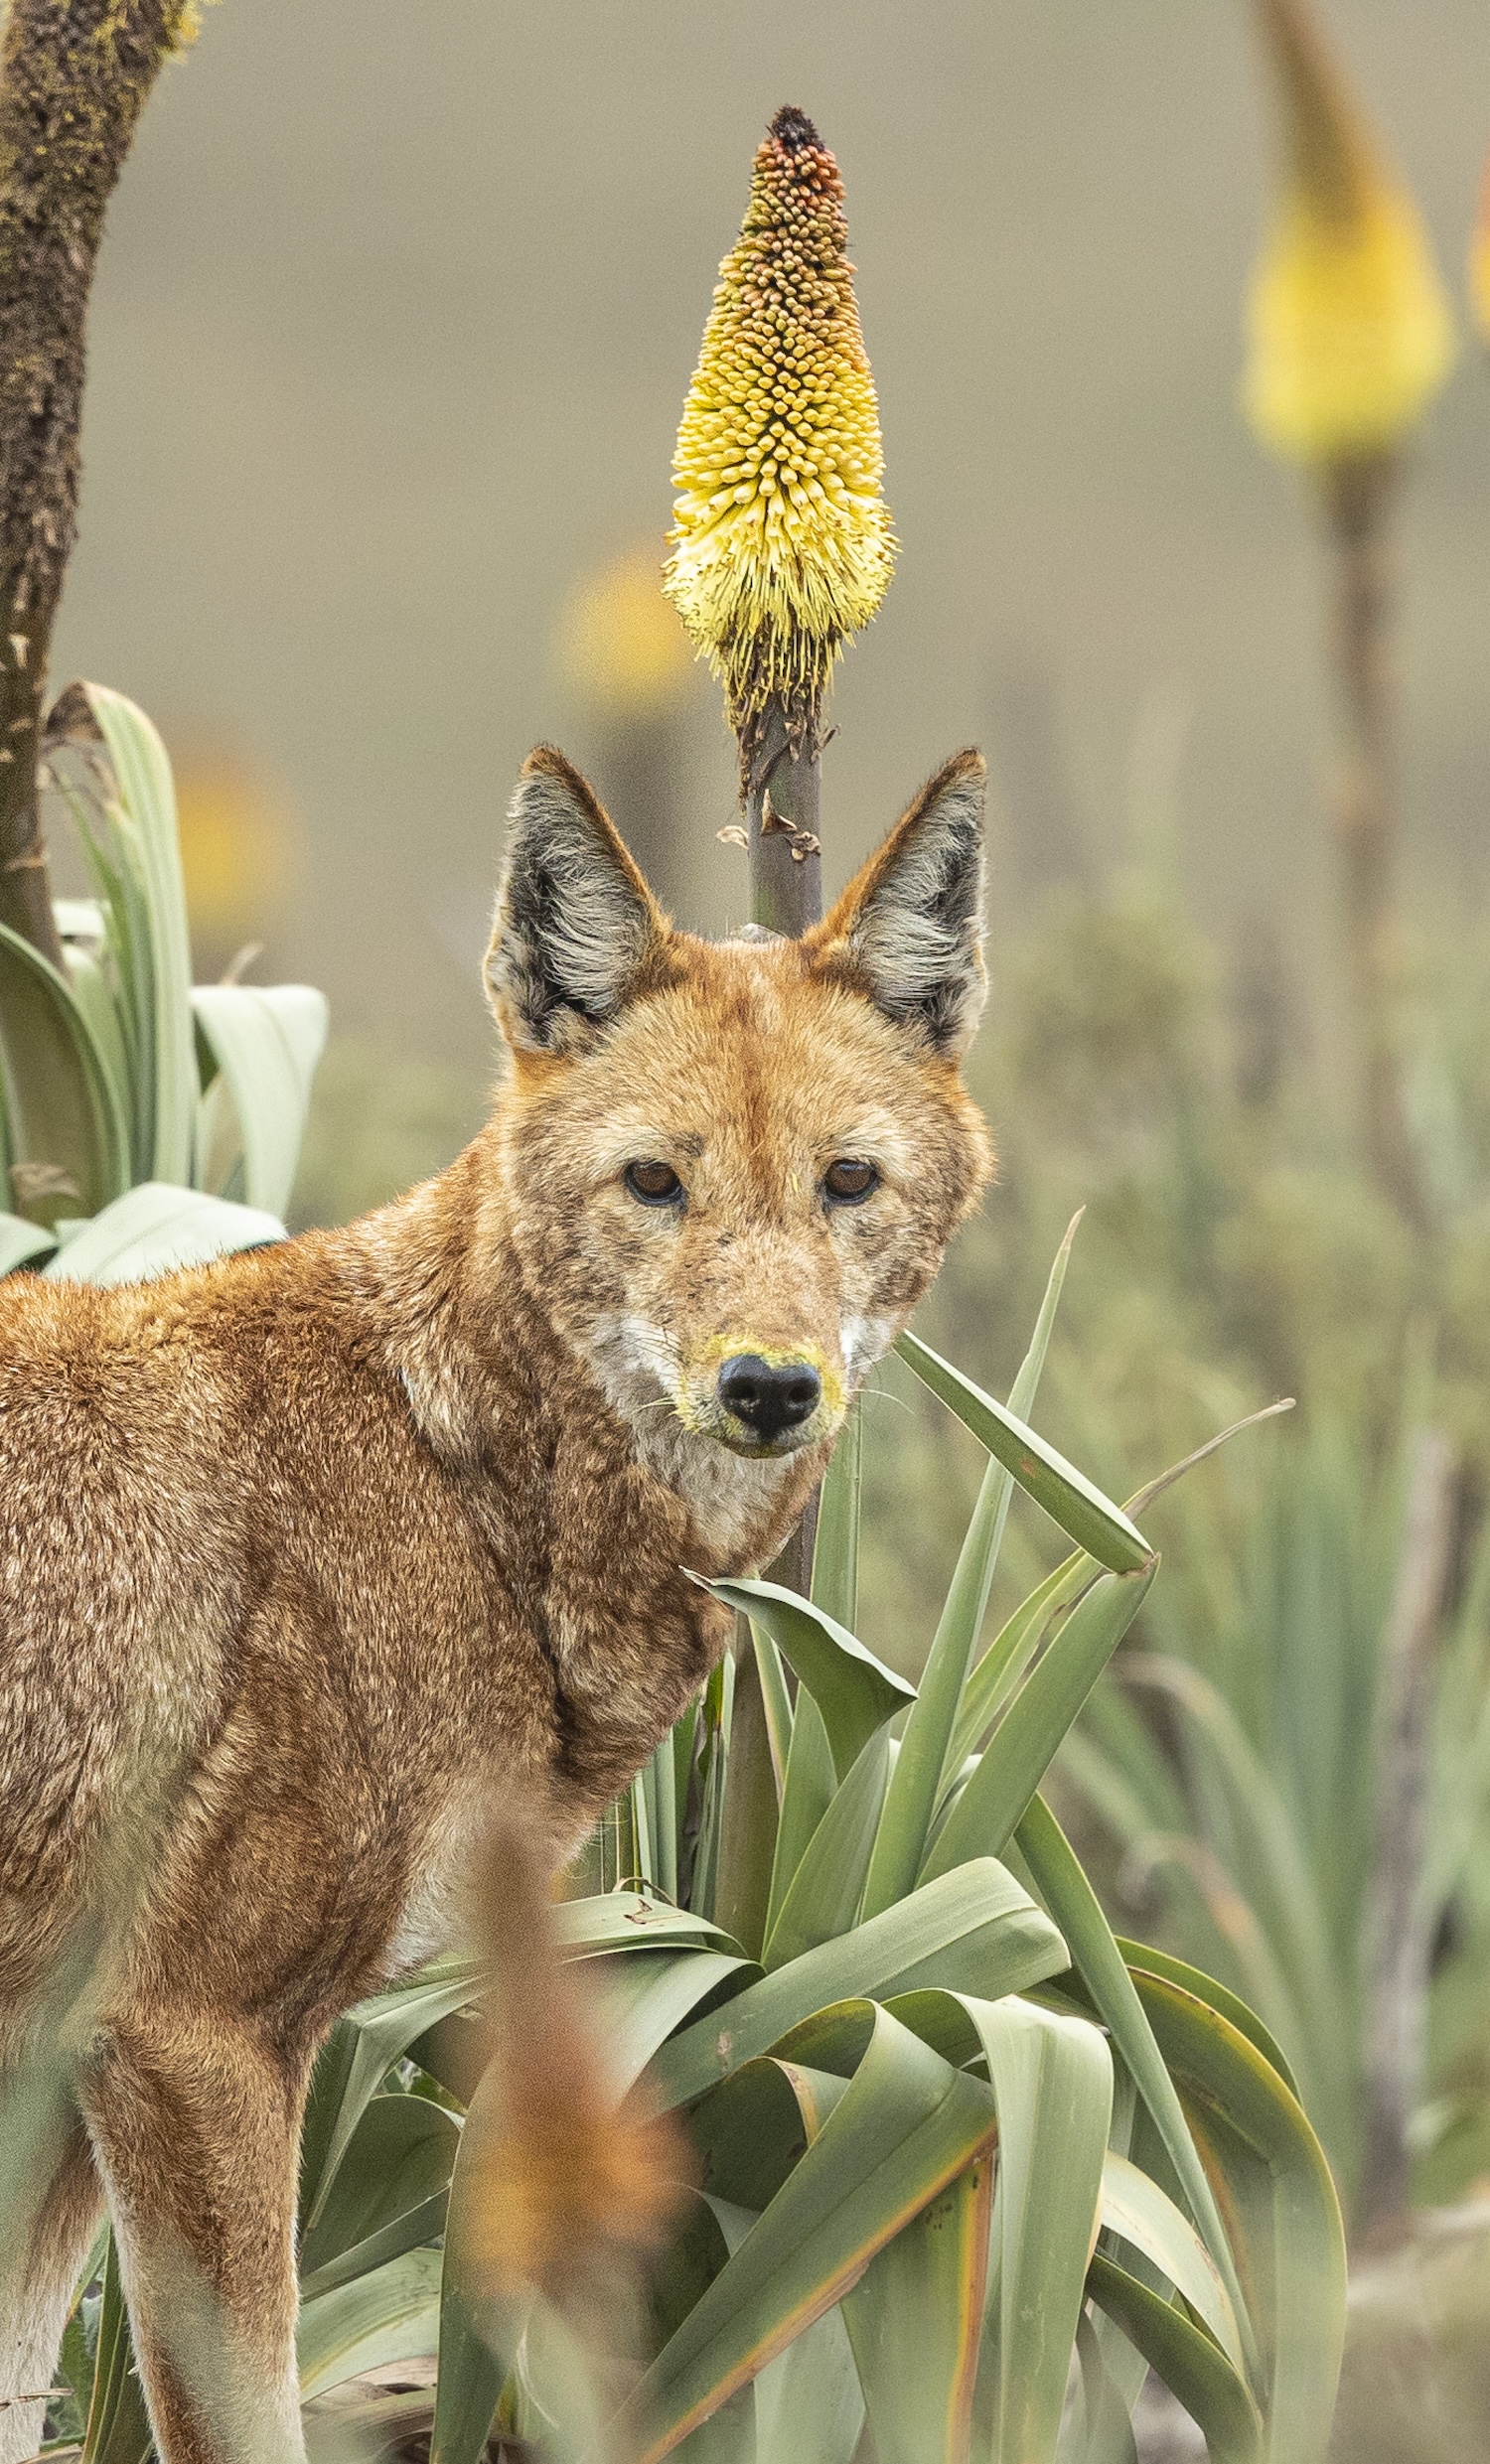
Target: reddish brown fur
[{"x": 310, "y": 1556}]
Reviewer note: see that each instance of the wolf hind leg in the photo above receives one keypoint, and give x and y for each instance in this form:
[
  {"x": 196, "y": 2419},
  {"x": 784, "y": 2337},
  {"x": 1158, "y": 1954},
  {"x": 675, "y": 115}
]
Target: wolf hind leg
[
  {"x": 49, "y": 2205},
  {"x": 195, "y": 2120}
]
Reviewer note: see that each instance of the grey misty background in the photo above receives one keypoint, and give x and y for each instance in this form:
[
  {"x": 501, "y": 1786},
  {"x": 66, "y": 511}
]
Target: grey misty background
[{"x": 391, "y": 332}]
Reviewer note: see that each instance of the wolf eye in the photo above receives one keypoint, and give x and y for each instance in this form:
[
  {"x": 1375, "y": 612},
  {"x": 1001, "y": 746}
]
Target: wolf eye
[
  {"x": 657, "y": 1185},
  {"x": 847, "y": 1181}
]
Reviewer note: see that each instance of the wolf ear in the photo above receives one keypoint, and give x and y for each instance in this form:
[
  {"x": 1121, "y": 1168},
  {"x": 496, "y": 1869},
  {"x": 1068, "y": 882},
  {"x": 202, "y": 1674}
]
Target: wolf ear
[
  {"x": 576, "y": 926},
  {"x": 908, "y": 931}
]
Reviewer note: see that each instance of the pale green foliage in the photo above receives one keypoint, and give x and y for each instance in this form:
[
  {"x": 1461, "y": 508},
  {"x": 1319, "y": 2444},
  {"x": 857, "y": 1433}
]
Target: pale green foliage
[{"x": 190, "y": 1102}]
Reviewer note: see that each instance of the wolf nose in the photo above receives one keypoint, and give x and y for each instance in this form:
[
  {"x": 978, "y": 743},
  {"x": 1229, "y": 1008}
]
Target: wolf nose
[{"x": 769, "y": 1399}]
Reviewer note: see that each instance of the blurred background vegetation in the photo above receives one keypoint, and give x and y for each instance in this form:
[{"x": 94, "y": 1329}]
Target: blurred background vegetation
[{"x": 393, "y": 323}]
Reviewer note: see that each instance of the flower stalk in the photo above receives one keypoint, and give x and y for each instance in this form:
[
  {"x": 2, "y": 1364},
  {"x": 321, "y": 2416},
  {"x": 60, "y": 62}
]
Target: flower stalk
[{"x": 1350, "y": 340}]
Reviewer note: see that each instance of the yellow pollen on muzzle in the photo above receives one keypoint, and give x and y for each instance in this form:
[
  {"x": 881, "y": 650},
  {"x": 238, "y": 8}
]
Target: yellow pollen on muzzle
[{"x": 705, "y": 1364}]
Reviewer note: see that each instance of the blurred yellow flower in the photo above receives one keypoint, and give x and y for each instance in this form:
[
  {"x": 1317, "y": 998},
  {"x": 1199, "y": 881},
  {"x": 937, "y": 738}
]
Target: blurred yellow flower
[
  {"x": 782, "y": 546},
  {"x": 239, "y": 848},
  {"x": 620, "y": 644},
  {"x": 1349, "y": 324}
]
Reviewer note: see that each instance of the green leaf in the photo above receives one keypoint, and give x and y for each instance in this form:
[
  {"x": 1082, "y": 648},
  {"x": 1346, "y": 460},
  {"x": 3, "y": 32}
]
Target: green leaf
[
  {"x": 21, "y": 1241},
  {"x": 915, "y": 2319},
  {"x": 353, "y": 2064},
  {"x": 808, "y": 2406},
  {"x": 808, "y": 1789},
  {"x": 672, "y": 1985},
  {"x": 1190, "y": 2364},
  {"x": 757, "y": 2125},
  {"x": 997, "y": 1673},
  {"x": 1109, "y": 2426},
  {"x": 1219, "y": 1998},
  {"x": 1096, "y": 1525},
  {"x": 390, "y": 2315},
  {"x": 396, "y": 2172},
  {"x": 835, "y": 1550},
  {"x": 1015, "y": 1763},
  {"x": 1000, "y": 1668},
  {"x": 915, "y": 1781},
  {"x": 1137, "y": 2210},
  {"x": 1226, "y": 2073},
  {"x": 1069, "y": 1896},
  {"x": 619, "y": 1919},
  {"x": 775, "y": 1702},
  {"x": 62, "y": 1107},
  {"x": 855, "y": 1692},
  {"x": 119, "y": 2428},
  {"x": 267, "y": 1041},
  {"x": 824, "y": 1898},
  {"x": 906, "y": 2125},
  {"x": 146, "y": 823},
  {"x": 1052, "y": 2079},
  {"x": 155, "y": 1229},
  {"x": 479, "y": 2331},
  {"x": 974, "y": 1929}
]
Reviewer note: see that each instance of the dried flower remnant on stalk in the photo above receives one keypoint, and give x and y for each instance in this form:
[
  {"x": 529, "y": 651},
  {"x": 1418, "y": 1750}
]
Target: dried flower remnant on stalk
[
  {"x": 1349, "y": 325},
  {"x": 782, "y": 546}
]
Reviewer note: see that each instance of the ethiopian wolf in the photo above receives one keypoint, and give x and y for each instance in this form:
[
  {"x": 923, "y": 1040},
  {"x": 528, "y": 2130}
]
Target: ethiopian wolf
[{"x": 312, "y": 1557}]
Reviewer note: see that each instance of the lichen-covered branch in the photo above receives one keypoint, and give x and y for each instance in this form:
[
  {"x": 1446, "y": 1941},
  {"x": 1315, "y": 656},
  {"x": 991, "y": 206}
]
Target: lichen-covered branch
[{"x": 75, "y": 76}]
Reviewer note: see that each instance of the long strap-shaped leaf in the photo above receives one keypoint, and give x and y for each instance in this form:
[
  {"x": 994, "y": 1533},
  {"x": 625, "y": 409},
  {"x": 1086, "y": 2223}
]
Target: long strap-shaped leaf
[
  {"x": 911, "y": 1799},
  {"x": 1225, "y": 2071},
  {"x": 915, "y": 2320},
  {"x": 907, "y": 2124},
  {"x": 1063, "y": 1886},
  {"x": 119, "y": 2428},
  {"x": 1136, "y": 2208},
  {"x": 1067, "y": 1496},
  {"x": 155, "y": 1228},
  {"x": 1052, "y": 2081},
  {"x": 148, "y": 800},
  {"x": 808, "y": 1789},
  {"x": 353, "y": 2060},
  {"x": 855, "y": 1692},
  {"x": 1015, "y": 1762},
  {"x": 997, "y": 1671},
  {"x": 63, "y": 1106},
  {"x": 824, "y": 1898},
  {"x": 21, "y": 1241},
  {"x": 976, "y": 1931},
  {"x": 267, "y": 1040},
  {"x": 1190, "y": 2364}
]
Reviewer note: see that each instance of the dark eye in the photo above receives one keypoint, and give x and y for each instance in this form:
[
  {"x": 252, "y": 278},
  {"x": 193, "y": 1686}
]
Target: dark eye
[
  {"x": 846, "y": 1182},
  {"x": 657, "y": 1185}
]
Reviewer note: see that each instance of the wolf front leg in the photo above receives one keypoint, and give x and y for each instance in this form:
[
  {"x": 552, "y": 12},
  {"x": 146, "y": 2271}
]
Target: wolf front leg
[
  {"x": 195, "y": 2120},
  {"x": 48, "y": 2210}
]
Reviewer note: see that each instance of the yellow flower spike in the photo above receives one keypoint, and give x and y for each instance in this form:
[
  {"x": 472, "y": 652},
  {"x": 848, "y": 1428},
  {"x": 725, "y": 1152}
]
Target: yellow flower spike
[
  {"x": 782, "y": 546},
  {"x": 1349, "y": 324}
]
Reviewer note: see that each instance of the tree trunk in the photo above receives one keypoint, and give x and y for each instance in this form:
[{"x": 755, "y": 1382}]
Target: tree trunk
[{"x": 73, "y": 78}]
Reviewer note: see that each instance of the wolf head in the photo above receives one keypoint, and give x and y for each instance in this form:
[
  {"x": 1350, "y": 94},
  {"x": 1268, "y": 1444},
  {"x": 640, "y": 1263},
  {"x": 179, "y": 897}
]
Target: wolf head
[{"x": 733, "y": 1167}]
